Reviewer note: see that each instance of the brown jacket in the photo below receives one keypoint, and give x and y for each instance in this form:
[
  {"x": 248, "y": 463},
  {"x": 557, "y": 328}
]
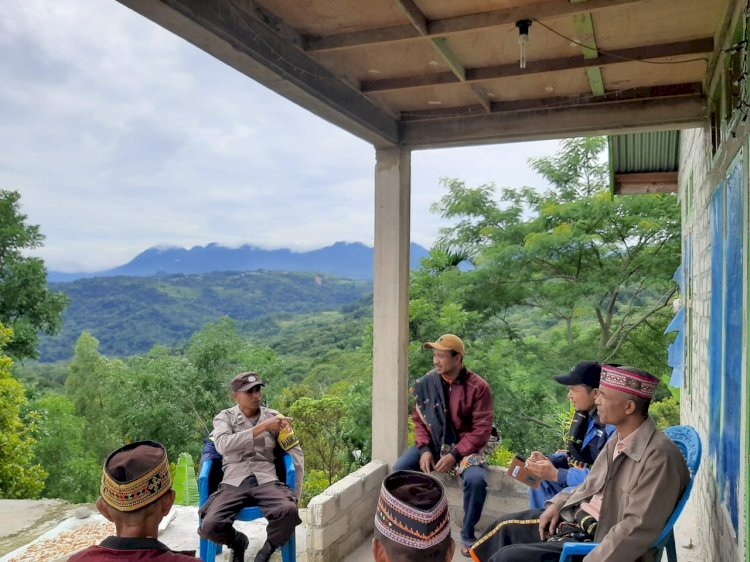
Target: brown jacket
[{"x": 640, "y": 491}]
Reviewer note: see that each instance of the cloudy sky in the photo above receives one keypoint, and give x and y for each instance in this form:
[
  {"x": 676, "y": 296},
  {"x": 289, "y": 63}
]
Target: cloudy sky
[{"x": 121, "y": 136}]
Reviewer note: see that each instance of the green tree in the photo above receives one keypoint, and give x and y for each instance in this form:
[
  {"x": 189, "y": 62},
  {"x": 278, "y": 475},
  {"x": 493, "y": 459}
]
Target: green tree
[
  {"x": 218, "y": 353},
  {"x": 322, "y": 429},
  {"x": 90, "y": 386},
  {"x": 152, "y": 398},
  {"x": 64, "y": 449},
  {"x": 39, "y": 378},
  {"x": 436, "y": 306},
  {"x": 20, "y": 477},
  {"x": 26, "y": 304},
  {"x": 601, "y": 266}
]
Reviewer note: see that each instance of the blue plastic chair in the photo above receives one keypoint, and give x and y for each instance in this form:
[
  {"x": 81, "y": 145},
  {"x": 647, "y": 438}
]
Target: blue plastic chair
[
  {"x": 689, "y": 443},
  {"x": 208, "y": 549}
]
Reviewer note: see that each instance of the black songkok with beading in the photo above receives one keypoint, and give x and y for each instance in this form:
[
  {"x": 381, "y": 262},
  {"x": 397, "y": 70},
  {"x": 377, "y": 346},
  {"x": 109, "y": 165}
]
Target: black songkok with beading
[{"x": 412, "y": 510}]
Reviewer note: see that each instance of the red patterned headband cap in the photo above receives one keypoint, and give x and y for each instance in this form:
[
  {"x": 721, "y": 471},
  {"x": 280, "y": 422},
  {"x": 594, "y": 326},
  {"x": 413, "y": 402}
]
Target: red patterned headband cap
[
  {"x": 412, "y": 510},
  {"x": 622, "y": 380},
  {"x": 135, "y": 476}
]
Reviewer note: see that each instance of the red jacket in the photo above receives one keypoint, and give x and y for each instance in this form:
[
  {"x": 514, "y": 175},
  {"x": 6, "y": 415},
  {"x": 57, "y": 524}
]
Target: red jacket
[{"x": 471, "y": 411}]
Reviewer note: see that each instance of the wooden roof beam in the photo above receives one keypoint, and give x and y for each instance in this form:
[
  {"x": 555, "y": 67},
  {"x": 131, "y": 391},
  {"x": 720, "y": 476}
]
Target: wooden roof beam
[
  {"x": 457, "y": 24},
  {"x": 440, "y": 44},
  {"x": 646, "y": 182},
  {"x": 681, "y": 48},
  {"x": 415, "y": 15},
  {"x": 585, "y": 28}
]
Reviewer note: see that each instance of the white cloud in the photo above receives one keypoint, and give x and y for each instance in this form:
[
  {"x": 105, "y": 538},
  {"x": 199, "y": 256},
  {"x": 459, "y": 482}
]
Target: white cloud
[{"x": 121, "y": 136}]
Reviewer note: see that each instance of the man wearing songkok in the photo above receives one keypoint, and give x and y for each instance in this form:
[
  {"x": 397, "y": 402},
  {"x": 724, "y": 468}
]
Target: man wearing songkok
[
  {"x": 136, "y": 494},
  {"x": 453, "y": 416},
  {"x": 632, "y": 489},
  {"x": 586, "y": 438},
  {"x": 246, "y": 436},
  {"x": 412, "y": 520}
]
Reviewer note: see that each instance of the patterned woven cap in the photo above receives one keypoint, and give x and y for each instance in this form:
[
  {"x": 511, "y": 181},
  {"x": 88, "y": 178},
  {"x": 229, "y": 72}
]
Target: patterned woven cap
[
  {"x": 618, "y": 378},
  {"x": 135, "y": 476},
  {"x": 412, "y": 510}
]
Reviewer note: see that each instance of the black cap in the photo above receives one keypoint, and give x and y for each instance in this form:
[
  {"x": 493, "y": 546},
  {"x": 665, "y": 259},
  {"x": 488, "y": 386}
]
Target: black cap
[
  {"x": 245, "y": 381},
  {"x": 586, "y": 372}
]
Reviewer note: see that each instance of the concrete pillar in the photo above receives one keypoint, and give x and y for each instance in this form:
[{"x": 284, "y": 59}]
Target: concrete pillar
[{"x": 391, "y": 303}]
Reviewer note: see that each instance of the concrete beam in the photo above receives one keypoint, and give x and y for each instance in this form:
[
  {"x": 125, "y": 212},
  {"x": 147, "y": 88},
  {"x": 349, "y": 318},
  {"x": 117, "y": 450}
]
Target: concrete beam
[
  {"x": 391, "y": 303},
  {"x": 629, "y": 116}
]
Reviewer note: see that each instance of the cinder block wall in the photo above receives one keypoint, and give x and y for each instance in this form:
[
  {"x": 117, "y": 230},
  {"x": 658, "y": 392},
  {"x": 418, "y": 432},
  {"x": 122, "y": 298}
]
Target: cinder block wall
[
  {"x": 716, "y": 540},
  {"x": 340, "y": 519}
]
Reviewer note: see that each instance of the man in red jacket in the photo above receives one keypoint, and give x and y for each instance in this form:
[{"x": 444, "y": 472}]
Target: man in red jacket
[
  {"x": 453, "y": 416},
  {"x": 136, "y": 494}
]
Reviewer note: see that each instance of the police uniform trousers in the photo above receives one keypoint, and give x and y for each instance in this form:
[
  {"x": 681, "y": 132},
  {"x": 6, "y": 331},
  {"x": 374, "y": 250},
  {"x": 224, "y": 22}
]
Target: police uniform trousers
[
  {"x": 275, "y": 500},
  {"x": 515, "y": 538}
]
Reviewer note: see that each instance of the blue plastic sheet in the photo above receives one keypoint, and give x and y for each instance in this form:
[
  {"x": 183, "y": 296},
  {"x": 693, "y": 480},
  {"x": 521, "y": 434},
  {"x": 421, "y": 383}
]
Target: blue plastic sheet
[
  {"x": 676, "y": 351},
  {"x": 678, "y": 322},
  {"x": 679, "y": 278}
]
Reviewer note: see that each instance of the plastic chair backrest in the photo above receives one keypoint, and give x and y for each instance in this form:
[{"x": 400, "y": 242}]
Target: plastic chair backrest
[{"x": 689, "y": 443}]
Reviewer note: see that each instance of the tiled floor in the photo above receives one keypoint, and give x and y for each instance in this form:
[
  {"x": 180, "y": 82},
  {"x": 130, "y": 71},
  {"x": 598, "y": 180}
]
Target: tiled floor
[{"x": 180, "y": 533}]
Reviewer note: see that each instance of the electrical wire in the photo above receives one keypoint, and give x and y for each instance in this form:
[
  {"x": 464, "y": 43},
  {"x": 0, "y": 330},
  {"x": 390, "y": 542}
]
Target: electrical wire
[{"x": 601, "y": 52}]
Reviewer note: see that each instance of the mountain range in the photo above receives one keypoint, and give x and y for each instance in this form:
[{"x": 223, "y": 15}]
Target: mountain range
[{"x": 342, "y": 259}]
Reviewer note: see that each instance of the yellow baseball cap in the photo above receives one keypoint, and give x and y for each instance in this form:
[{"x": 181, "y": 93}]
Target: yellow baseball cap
[{"x": 447, "y": 342}]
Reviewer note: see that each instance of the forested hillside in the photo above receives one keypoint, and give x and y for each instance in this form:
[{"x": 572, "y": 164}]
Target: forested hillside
[{"x": 129, "y": 315}]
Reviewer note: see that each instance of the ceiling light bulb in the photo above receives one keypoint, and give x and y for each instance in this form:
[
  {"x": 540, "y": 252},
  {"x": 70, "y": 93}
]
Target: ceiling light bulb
[{"x": 523, "y": 38}]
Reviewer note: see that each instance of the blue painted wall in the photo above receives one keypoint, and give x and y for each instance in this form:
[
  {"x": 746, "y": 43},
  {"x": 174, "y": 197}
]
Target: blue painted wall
[
  {"x": 734, "y": 338},
  {"x": 716, "y": 332},
  {"x": 727, "y": 336}
]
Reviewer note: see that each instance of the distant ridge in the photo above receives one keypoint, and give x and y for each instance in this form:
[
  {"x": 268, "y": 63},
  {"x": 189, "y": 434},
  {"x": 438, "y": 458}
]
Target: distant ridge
[
  {"x": 342, "y": 259},
  {"x": 129, "y": 315}
]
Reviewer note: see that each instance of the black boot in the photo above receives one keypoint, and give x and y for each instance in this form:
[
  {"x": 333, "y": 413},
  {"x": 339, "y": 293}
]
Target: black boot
[
  {"x": 239, "y": 546},
  {"x": 264, "y": 554}
]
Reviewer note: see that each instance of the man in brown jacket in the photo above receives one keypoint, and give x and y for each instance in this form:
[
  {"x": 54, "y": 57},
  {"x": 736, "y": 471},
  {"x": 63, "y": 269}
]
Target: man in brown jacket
[{"x": 632, "y": 489}]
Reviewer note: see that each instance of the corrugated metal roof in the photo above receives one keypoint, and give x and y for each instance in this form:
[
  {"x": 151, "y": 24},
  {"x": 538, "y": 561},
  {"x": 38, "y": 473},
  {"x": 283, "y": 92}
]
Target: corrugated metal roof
[{"x": 643, "y": 152}]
